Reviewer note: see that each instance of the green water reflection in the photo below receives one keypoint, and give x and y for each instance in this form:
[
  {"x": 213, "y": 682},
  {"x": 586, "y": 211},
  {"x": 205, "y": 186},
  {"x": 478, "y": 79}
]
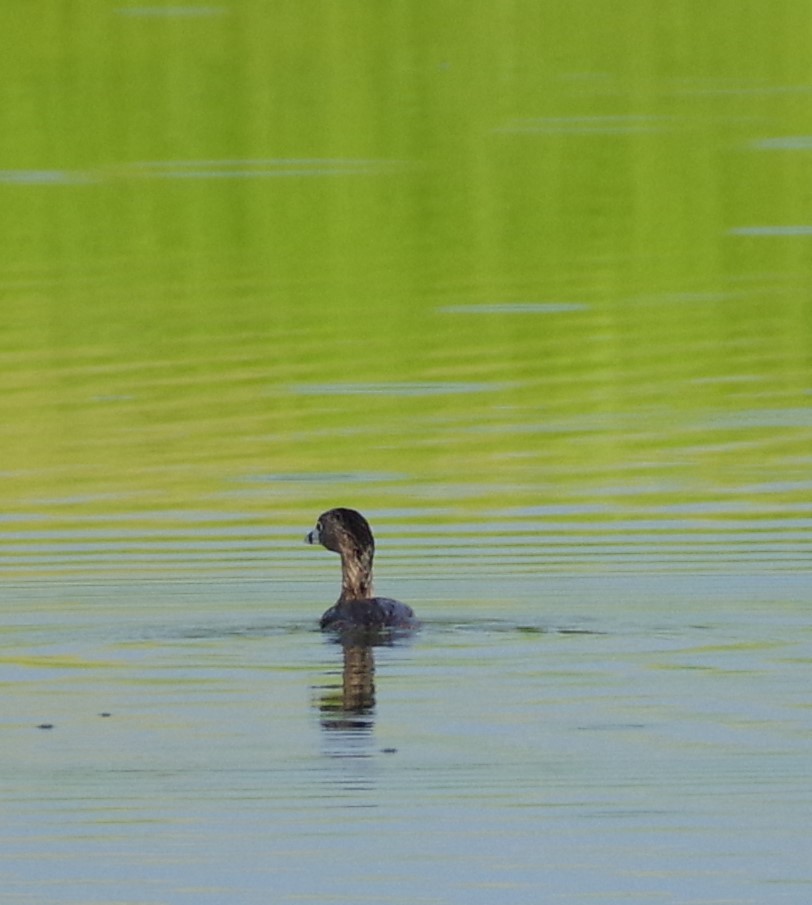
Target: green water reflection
[{"x": 444, "y": 264}]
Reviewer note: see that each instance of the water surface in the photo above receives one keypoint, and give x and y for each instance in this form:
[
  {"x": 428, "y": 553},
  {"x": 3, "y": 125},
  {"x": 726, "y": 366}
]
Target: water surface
[
  {"x": 612, "y": 737},
  {"x": 529, "y": 286}
]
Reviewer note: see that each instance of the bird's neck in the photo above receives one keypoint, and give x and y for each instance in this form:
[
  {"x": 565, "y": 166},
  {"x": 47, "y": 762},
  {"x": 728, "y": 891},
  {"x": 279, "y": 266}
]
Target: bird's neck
[{"x": 356, "y": 576}]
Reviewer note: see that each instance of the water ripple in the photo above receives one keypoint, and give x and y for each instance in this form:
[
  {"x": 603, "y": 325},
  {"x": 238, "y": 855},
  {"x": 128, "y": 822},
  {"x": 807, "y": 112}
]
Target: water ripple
[{"x": 398, "y": 388}]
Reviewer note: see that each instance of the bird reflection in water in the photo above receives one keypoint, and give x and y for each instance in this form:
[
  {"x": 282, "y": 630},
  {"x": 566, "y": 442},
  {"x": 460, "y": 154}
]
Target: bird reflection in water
[
  {"x": 354, "y": 700},
  {"x": 351, "y": 705}
]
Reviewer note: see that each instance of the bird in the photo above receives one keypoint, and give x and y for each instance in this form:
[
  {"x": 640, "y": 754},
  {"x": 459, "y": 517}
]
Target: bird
[{"x": 347, "y": 532}]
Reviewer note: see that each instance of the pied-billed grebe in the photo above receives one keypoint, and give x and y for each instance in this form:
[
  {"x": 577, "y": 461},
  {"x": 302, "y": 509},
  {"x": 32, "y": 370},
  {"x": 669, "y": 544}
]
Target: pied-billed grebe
[{"x": 347, "y": 532}]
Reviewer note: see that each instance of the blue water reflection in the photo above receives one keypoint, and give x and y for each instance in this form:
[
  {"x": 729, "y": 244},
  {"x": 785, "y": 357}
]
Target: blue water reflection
[{"x": 599, "y": 738}]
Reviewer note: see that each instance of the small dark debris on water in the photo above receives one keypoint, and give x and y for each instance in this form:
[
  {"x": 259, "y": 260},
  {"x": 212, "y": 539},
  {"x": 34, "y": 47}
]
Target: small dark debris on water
[
  {"x": 389, "y": 750},
  {"x": 105, "y": 713},
  {"x": 45, "y": 726}
]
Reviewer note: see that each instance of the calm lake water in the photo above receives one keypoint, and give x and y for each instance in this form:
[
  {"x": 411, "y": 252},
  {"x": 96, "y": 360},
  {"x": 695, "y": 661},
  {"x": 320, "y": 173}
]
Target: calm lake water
[{"x": 529, "y": 285}]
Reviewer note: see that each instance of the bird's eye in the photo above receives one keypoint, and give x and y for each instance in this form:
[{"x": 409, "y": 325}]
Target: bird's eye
[{"x": 319, "y": 526}]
